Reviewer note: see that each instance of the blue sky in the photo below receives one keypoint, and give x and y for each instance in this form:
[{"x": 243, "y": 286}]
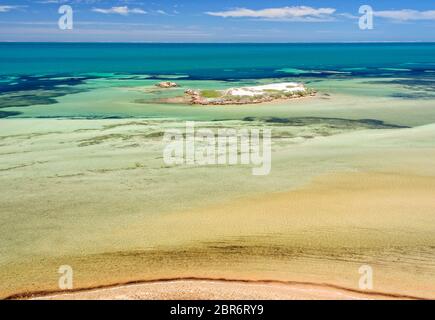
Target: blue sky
[{"x": 217, "y": 20}]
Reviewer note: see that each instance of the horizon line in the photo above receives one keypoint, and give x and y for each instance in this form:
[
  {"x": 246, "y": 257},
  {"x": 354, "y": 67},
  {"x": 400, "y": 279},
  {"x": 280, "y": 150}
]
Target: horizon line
[{"x": 219, "y": 42}]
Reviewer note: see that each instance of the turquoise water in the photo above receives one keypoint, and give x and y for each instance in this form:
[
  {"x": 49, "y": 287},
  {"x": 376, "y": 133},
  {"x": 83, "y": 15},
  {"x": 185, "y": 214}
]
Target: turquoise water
[
  {"x": 90, "y": 80},
  {"x": 216, "y": 61}
]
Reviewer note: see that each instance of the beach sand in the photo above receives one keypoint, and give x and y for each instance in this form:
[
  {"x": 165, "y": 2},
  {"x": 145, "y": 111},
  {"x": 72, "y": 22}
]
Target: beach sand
[
  {"x": 320, "y": 235},
  {"x": 219, "y": 290}
]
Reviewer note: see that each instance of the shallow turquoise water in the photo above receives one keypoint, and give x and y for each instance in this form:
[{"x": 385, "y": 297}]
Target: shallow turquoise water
[{"x": 85, "y": 80}]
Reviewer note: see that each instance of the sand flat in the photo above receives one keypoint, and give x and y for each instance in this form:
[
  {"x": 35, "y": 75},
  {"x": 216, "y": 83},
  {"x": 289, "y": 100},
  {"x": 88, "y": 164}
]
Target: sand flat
[
  {"x": 218, "y": 290},
  {"x": 347, "y": 221},
  {"x": 330, "y": 205}
]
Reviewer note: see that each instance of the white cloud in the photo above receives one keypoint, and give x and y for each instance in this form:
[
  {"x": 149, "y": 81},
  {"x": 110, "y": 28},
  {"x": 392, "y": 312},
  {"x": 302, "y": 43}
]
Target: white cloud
[
  {"x": 406, "y": 14},
  {"x": 296, "y": 13},
  {"x": 8, "y": 8},
  {"x": 120, "y": 10},
  {"x": 138, "y": 11},
  {"x": 348, "y": 15}
]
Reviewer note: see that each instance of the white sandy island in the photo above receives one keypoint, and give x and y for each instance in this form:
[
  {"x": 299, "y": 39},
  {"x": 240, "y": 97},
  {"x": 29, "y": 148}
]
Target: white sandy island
[
  {"x": 249, "y": 95},
  {"x": 285, "y": 87}
]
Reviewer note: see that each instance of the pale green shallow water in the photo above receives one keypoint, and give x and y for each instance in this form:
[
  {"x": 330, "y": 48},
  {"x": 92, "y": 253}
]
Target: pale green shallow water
[
  {"x": 86, "y": 190},
  {"x": 91, "y": 193},
  {"x": 362, "y": 98}
]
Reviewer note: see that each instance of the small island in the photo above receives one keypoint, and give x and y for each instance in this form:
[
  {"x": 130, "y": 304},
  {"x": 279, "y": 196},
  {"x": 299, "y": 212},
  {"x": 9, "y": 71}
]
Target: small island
[
  {"x": 167, "y": 84},
  {"x": 242, "y": 95}
]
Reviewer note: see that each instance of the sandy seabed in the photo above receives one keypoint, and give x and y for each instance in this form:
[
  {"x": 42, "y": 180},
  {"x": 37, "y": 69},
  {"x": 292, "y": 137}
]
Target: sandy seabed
[{"x": 95, "y": 195}]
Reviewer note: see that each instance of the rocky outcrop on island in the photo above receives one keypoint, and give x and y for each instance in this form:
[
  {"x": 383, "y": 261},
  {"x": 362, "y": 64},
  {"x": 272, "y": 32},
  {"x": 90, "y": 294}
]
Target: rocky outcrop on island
[
  {"x": 248, "y": 95},
  {"x": 167, "y": 84}
]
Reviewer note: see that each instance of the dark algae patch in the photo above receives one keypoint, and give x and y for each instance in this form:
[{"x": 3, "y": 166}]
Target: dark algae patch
[
  {"x": 418, "y": 88},
  {"x": 333, "y": 122},
  {"x": 5, "y": 114},
  {"x": 25, "y": 91}
]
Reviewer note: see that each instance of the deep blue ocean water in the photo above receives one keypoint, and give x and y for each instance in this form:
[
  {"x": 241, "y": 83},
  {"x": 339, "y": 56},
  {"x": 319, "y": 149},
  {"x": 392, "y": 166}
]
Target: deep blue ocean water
[{"x": 214, "y": 61}]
